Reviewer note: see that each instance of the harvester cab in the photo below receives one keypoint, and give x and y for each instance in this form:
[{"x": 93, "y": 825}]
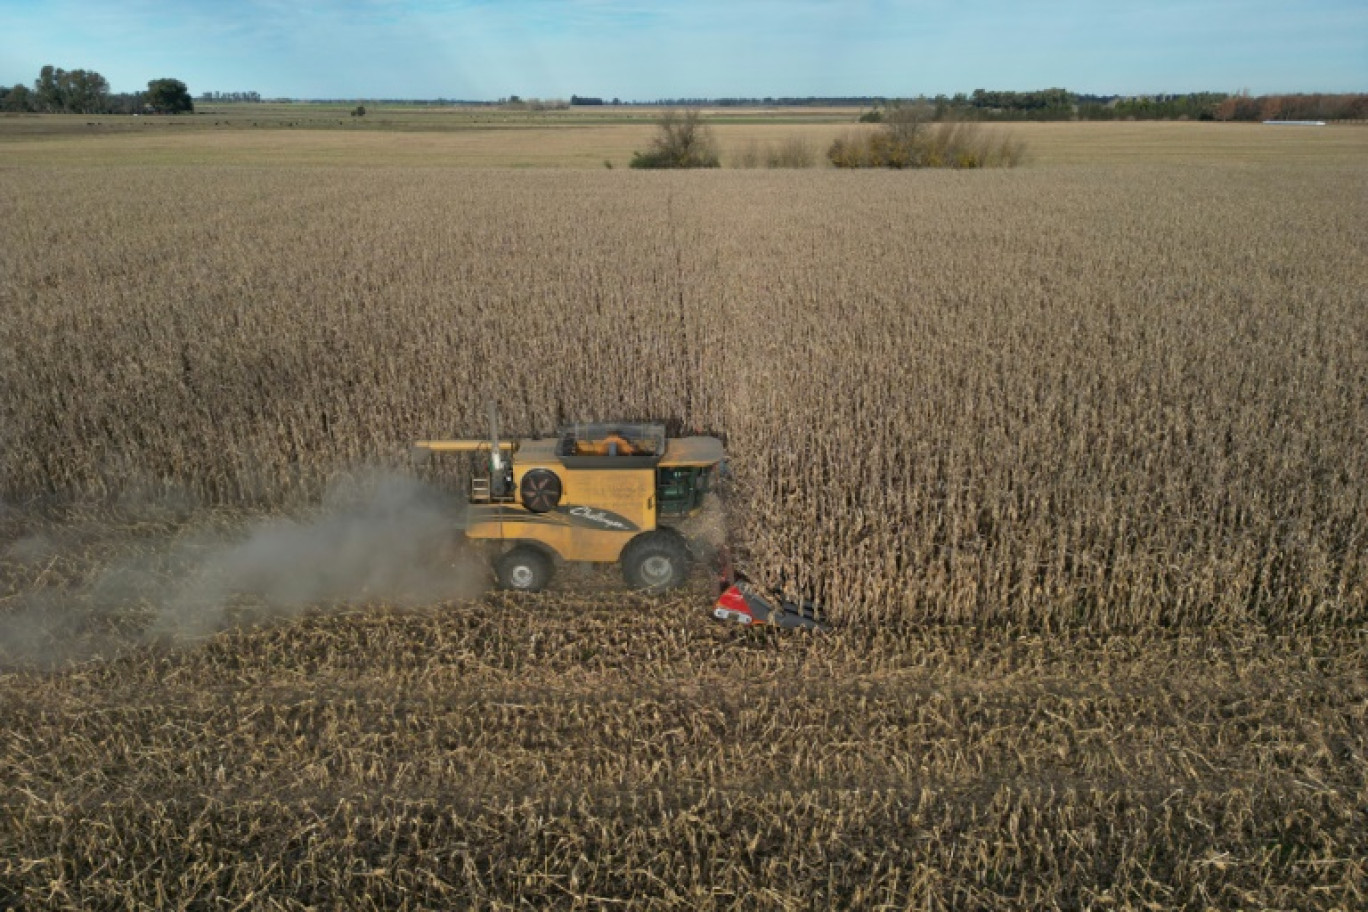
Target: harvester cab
[{"x": 596, "y": 492}]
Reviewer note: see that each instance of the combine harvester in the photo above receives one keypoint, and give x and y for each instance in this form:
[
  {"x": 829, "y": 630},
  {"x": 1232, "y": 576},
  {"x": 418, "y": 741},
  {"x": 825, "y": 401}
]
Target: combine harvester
[{"x": 609, "y": 492}]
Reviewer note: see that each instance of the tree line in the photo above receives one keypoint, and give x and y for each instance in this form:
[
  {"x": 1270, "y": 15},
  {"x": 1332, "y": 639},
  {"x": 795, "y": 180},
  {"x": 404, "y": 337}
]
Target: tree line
[
  {"x": 231, "y": 97},
  {"x": 1062, "y": 104},
  {"x": 59, "y": 91},
  {"x": 1292, "y": 107},
  {"x": 87, "y": 92}
]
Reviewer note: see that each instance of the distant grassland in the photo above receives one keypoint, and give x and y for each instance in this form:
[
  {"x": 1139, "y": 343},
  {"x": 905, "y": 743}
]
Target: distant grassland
[{"x": 590, "y": 138}]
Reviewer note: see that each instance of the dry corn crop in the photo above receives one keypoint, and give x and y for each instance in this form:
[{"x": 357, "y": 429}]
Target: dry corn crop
[
  {"x": 1111, "y": 396},
  {"x": 1075, "y": 456}
]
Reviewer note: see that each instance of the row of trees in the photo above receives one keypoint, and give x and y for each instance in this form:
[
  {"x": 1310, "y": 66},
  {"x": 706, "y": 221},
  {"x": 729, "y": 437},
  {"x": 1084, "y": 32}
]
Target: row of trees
[
  {"x": 1191, "y": 106},
  {"x": 59, "y": 91},
  {"x": 237, "y": 97},
  {"x": 1061, "y": 104},
  {"x": 1292, "y": 107}
]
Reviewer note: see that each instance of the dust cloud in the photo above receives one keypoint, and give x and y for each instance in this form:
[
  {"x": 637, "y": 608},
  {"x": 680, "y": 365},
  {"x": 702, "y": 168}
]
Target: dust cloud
[{"x": 84, "y": 591}]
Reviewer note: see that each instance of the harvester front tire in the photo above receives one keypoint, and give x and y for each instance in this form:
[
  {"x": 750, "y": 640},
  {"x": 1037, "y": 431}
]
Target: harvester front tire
[
  {"x": 523, "y": 569},
  {"x": 655, "y": 561}
]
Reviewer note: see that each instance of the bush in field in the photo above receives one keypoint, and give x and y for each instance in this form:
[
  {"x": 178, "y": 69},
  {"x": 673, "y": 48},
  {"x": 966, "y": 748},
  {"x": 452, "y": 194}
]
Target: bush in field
[
  {"x": 947, "y": 145},
  {"x": 683, "y": 141},
  {"x": 908, "y": 139}
]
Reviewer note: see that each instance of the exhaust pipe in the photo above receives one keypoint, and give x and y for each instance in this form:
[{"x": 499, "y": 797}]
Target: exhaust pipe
[{"x": 498, "y": 483}]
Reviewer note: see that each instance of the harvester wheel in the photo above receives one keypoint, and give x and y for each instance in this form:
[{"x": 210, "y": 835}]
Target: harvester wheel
[
  {"x": 655, "y": 561},
  {"x": 523, "y": 569},
  {"x": 540, "y": 490}
]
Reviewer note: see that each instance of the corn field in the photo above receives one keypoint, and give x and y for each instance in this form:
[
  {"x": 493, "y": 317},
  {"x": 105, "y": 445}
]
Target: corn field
[
  {"x": 1108, "y": 397},
  {"x": 1075, "y": 456}
]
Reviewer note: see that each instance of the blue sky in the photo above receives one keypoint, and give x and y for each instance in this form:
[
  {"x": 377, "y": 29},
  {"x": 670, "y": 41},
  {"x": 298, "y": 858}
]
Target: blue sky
[{"x": 639, "y": 50}]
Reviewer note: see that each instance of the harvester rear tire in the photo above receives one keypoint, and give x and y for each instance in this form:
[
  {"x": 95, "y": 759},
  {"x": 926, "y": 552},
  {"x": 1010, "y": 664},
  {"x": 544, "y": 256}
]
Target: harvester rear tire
[
  {"x": 655, "y": 561},
  {"x": 523, "y": 569}
]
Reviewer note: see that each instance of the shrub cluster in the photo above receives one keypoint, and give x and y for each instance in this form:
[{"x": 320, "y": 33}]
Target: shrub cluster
[
  {"x": 944, "y": 145},
  {"x": 683, "y": 141}
]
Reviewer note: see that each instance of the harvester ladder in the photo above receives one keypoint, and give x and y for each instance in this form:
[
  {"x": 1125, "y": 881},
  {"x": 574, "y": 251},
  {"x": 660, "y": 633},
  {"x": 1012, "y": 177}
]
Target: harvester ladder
[{"x": 479, "y": 490}]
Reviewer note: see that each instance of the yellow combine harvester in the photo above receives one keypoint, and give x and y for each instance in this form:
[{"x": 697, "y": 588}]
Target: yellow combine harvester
[{"x": 600, "y": 492}]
